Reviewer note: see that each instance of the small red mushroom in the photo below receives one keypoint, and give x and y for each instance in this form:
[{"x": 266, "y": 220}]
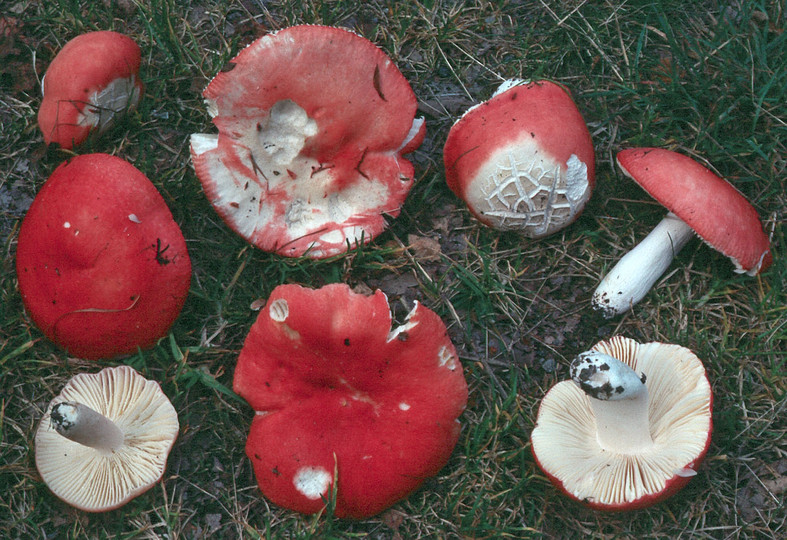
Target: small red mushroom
[
  {"x": 313, "y": 122},
  {"x": 102, "y": 266},
  {"x": 337, "y": 390},
  {"x": 92, "y": 80},
  {"x": 523, "y": 160},
  {"x": 698, "y": 202}
]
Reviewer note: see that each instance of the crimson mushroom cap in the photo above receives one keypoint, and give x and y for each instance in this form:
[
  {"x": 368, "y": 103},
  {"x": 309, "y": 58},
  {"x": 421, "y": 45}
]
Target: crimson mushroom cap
[
  {"x": 612, "y": 472},
  {"x": 102, "y": 266},
  {"x": 336, "y": 389},
  {"x": 92, "y": 79},
  {"x": 523, "y": 160},
  {"x": 710, "y": 205},
  {"x": 313, "y": 122}
]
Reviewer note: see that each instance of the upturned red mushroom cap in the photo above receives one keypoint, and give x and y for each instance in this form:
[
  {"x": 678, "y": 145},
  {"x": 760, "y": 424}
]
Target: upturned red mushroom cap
[
  {"x": 630, "y": 430},
  {"x": 102, "y": 266},
  {"x": 336, "y": 389},
  {"x": 523, "y": 160},
  {"x": 710, "y": 205},
  {"x": 91, "y": 80},
  {"x": 313, "y": 122}
]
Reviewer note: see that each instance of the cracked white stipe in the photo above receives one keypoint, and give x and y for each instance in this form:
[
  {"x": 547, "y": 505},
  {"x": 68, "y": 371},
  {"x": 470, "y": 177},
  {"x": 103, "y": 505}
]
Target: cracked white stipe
[{"x": 115, "y": 99}]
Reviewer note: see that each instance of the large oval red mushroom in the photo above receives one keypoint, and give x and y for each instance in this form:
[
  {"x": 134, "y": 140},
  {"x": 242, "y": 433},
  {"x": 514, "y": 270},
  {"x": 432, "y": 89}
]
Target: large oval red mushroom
[
  {"x": 313, "y": 122},
  {"x": 93, "y": 79},
  {"x": 523, "y": 160},
  {"x": 102, "y": 266},
  {"x": 338, "y": 391},
  {"x": 630, "y": 429},
  {"x": 698, "y": 202}
]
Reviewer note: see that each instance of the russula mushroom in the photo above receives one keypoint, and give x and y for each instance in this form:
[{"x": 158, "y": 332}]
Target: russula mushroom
[
  {"x": 630, "y": 429},
  {"x": 93, "y": 79},
  {"x": 102, "y": 266},
  {"x": 698, "y": 202},
  {"x": 523, "y": 160},
  {"x": 105, "y": 439},
  {"x": 312, "y": 122},
  {"x": 337, "y": 389}
]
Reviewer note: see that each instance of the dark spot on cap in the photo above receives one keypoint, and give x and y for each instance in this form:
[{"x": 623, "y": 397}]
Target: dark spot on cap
[{"x": 347, "y": 341}]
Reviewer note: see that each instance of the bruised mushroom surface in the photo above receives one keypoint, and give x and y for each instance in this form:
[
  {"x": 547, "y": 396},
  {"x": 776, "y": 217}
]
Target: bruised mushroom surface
[
  {"x": 312, "y": 122},
  {"x": 630, "y": 429},
  {"x": 102, "y": 267},
  {"x": 523, "y": 160},
  {"x": 105, "y": 439},
  {"x": 336, "y": 389},
  {"x": 93, "y": 79}
]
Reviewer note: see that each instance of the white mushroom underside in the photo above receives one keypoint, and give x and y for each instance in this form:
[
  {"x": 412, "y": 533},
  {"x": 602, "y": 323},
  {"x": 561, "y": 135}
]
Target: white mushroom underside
[
  {"x": 273, "y": 152},
  {"x": 94, "y": 480},
  {"x": 566, "y": 445},
  {"x": 523, "y": 189},
  {"x": 115, "y": 99}
]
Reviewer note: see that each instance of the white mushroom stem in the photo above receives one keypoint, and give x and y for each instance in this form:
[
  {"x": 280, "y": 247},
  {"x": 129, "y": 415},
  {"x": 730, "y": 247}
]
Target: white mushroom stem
[
  {"x": 634, "y": 275},
  {"x": 619, "y": 399},
  {"x": 85, "y": 426}
]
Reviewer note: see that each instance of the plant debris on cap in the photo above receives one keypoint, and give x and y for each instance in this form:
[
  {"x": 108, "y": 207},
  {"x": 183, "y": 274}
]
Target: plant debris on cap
[
  {"x": 92, "y": 80},
  {"x": 102, "y": 267},
  {"x": 105, "y": 439},
  {"x": 312, "y": 122},
  {"x": 348, "y": 409},
  {"x": 523, "y": 160},
  {"x": 698, "y": 201},
  {"x": 630, "y": 429}
]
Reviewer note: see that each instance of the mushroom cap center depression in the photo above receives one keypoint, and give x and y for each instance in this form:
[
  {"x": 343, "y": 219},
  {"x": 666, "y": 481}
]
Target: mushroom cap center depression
[{"x": 304, "y": 188}]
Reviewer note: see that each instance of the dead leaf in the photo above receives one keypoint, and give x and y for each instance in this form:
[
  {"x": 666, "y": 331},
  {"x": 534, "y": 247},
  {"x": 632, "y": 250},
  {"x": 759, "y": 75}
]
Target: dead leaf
[{"x": 424, "y": 248}]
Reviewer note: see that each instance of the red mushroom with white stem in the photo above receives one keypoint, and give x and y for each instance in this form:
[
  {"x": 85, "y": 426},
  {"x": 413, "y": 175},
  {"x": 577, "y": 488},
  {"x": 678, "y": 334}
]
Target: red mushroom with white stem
[
  {"x": 313, "y": 124},
  {"x": 93, "y": 79},
  {"x": 630, "y": 429},
  {"x": 523, "y": 160},
  {"x": 698, "y": 202},
  {"x": 345, "y": 404},
  {"x": 102, "y": 266}
]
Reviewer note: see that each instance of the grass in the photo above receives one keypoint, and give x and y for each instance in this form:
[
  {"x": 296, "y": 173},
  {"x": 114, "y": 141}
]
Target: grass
[{"x": 708, "y": 79}]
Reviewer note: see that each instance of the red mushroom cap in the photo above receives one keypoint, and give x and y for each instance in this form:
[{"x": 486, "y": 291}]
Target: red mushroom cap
[
  {"x": 93, "y": 78},
  {"x": 313, "y": 122},
  {"x": 335, "y": 388},
  {"x": 710, "y": 205},
  {"x": 523, "y": 160},
  {"x": 102, "y": 266}
]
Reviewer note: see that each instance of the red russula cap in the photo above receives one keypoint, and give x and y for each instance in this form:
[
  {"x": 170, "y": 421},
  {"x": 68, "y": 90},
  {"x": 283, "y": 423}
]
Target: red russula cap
[
  {"x": 710, "y": 205},
  {"x": 335, "y": 388},
  {"x": 615, "y": 447},
  {"x": 102, "y": 266},
  {"x": 90, "y": 81},
  {"x": 523, "y": 160},
  {"x": 313, "y": 122}
]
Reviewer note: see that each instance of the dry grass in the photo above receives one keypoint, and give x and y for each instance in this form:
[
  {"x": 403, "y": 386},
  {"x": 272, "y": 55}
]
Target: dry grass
[{"x": 708, "y": 80}]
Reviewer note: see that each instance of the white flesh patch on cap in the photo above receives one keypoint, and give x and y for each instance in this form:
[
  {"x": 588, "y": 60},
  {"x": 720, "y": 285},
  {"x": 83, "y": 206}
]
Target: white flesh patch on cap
[
  {"x": 312, "y": 482},
  {"x": 280, "y": 310},
  {"x": 565, "y": 440},
  {"x": 287, "y": 186},
  {"x": 115, "y": 99},
  {"x": 521, "y": 188},
  {"x": 446, "y": 358},
  {"x": 404, "y": 406},
  {"x": 403, "y": 328},
  {"x": 638, "y": 270}
]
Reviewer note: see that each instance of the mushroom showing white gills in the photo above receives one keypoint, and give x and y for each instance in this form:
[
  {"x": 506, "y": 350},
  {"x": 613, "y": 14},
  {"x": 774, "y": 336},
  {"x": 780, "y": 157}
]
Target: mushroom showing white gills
[
  {"x": 630, "y": 429},
  {"x": 698, "y": 202},
  {"x": 105, "y": 439}
]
